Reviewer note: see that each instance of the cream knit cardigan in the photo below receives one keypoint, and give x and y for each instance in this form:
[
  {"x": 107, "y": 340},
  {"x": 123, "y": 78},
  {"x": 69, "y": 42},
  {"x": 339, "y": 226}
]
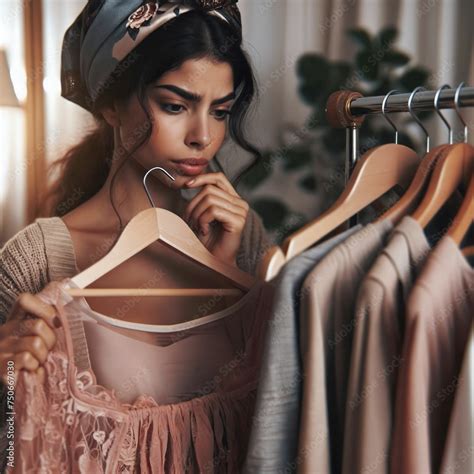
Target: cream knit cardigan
[{"x": 43, "y": 252}]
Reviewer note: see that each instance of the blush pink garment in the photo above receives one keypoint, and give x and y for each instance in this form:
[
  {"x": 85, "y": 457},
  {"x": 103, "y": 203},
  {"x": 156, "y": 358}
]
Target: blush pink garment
[
  {"x": 438, "y": 317},
  {"x": 69, "y": 422}
]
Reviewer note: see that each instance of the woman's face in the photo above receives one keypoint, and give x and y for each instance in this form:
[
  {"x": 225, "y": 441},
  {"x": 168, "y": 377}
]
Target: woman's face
[{"x": 189, "y": 107}]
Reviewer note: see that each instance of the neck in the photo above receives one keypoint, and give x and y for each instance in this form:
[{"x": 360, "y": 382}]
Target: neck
[{"x": 128, "y": 193}]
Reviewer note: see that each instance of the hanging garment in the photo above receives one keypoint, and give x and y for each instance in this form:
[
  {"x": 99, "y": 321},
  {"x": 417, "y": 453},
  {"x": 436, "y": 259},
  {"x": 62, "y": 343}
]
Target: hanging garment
[
  {"x": 328, "y": 298},
  {"x": 438, "y": 320},
  {"x": 273, "y": 441},
  {"x": 457, "y": 456},
  {"x": 69, "y": 422},
  {"x": 377, "y": 346}
]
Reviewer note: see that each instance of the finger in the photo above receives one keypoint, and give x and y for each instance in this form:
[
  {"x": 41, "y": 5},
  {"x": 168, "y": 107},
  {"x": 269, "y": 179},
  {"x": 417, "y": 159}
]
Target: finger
[
  {"x": 41, "y": 373},
  {"x": 25, "y": 361},
  {"x": 34, "y": 327},
  {"x": 33, "y": 344},
  {"x": 232, "y": 223},
  {"x": 214, "y": 190},
  {"x": 28, "y": 304},
  {"x": 219, "y": 179},
  {"x": 5, "y": 358},
  {"x": 216, "y": 201}
]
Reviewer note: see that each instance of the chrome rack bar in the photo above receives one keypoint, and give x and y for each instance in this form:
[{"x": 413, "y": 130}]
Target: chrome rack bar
[{"x": 423, "y": 101}]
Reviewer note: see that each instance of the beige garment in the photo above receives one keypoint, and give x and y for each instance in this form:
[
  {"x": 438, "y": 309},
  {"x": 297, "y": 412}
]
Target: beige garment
[
  {"x": 376, "y": 348},
  {"x": 438, "y": 318},
  {"x": 457, "y": 456},
  {"x": 328, "y": 298},
  {"x": 43, "y": 252}
]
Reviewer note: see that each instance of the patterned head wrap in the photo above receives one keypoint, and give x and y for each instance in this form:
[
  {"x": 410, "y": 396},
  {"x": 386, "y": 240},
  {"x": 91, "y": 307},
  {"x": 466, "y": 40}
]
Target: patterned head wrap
[{"x": 106, "y": 31}]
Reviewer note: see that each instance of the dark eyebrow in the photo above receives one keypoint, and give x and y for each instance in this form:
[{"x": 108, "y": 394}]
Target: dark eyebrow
[{"x": 192, "y": 97}]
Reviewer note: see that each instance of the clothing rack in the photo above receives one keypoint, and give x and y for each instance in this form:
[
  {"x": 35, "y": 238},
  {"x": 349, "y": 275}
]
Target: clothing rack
[{"x": 347, "y": 109}]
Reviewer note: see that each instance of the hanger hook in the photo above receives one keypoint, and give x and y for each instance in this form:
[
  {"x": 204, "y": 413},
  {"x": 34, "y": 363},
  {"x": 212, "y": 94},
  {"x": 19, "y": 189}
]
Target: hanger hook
[
  {"x": 418, "y": 121},
  {"x": 146, "y": 176},
  {"x": 436, "y": 106},
  {"x": 386, "y": 117},
  {"x": 456, "y": 106}
]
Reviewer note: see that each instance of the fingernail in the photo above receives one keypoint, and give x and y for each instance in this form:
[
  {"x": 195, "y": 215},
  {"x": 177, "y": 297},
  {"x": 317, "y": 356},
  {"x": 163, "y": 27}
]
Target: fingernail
[
  {"x": 57, "y": 322},
  {"x": 191, "y": 182}
]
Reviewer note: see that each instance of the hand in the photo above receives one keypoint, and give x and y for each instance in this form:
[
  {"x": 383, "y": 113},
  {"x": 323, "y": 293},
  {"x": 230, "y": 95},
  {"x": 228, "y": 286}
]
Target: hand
[
  {"x": 218, "y": 204},
  {"x": 27, "y": 337}
]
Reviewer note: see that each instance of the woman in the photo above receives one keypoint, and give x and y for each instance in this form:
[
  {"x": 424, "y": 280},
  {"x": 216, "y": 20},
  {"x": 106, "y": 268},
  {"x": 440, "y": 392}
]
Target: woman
[{"x": 166, "y": 83}]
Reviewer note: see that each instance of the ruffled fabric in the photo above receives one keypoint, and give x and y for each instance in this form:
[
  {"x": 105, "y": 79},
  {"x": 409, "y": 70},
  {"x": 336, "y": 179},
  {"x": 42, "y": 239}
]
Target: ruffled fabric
[{"x": 67, "y": 423}]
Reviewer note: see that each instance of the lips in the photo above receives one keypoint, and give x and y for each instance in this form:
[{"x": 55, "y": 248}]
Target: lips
[
  {"x": 191, "y": 166},
  {"x": 192, "y": 161}
]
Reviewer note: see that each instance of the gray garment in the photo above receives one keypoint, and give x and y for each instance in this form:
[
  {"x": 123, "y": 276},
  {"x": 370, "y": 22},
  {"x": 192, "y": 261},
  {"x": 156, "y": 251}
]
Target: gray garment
[
  {"x": 326, "y": 329},
  {"x": 274, "y": 437}
]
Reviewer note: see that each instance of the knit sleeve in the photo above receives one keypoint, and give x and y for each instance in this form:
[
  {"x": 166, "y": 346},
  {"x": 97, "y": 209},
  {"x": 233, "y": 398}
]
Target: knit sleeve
[
  {"x": 23, "y": 267},
  {"x": 255, "y": 243}
]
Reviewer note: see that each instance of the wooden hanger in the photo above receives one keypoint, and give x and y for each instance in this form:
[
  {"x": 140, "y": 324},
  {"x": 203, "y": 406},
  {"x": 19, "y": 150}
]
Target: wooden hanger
[
  {"x": 453, "y": 165},
  {"x": 468, "y": 251},
  {"x": 415, "y": 191},
  {"x": 145, "y": 228},
  {"x": 378, "y": 171},
  {"x": 271, "y": 263},
  {"x": 465, "y": 215}
]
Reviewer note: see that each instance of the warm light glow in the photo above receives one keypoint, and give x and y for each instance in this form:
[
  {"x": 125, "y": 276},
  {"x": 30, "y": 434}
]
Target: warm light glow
[
  {"x": 18, "y": 75},
  {"x": 52, "y": 85}
]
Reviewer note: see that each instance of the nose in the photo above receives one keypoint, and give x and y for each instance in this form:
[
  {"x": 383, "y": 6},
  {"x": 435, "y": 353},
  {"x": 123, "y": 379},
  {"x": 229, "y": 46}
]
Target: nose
[{"x": 199, "y": 134}]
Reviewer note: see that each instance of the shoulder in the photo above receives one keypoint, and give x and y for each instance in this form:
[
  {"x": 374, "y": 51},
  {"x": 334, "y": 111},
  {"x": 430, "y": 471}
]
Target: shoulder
[
  {"x": 34, "y": 256},
  {"x": 255, "y": 243},
  {"x": 23, "y": 266}
]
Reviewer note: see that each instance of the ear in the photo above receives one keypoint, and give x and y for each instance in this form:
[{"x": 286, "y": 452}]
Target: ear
[{"x": 111, "y": 115}]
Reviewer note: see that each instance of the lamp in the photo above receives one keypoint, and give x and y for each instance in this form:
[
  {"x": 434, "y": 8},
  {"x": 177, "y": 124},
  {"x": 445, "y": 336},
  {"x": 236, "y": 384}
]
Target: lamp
[{"x": 8, "y": 97}]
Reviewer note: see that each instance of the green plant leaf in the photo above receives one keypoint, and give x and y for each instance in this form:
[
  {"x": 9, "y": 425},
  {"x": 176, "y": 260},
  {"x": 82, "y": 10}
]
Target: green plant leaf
[
  {"x": 339, "y": 73},
  {"x": 312, "y": 67},
  {"x": 297, "y": 158},
  {"x": 395, "y": 58},
  {"x": 308, "y": 183},
  {"x": 361, "y": 37},
  {"x": 413, "y": 77},
  {"x": 387, "y": 36},
  {"x": 335, "y": 140},
  {"x": 367, "y": 66},
  {"x": 317, "y": 118},
  {"x": 310, "y": 94},
  {"x": 259, "y": 172},
  {"x": 272, "y": 211},
  {"x": 297, "y": 220}
]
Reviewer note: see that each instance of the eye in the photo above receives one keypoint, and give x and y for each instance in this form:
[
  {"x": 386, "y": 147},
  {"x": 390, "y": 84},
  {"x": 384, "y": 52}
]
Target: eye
[
  {"x": 222, "y": 114},
  {"x": 166, "y": 108}
]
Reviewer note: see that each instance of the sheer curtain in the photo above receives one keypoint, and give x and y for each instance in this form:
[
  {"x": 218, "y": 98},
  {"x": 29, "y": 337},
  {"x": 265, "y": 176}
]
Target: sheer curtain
[
  {"x": 12, "y": 124},
  {"x": 437, "y": 34},
  {"x": 65, "y": 122}
]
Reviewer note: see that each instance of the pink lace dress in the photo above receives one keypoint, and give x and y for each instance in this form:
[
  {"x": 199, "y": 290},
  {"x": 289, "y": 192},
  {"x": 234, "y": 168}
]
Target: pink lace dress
[{"x": 142, "y": 398}]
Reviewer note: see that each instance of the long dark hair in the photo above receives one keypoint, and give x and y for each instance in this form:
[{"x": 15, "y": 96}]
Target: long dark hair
[{"x": 84, "y": 168}]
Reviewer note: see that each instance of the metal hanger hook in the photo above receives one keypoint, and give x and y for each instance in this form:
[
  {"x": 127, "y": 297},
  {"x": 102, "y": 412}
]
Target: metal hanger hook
[
  {"x": 418, "y": 121},
  {"x": 458, "y": 112},
  {"x": 436, "y": 106},
  {"x": 384, "y": 102},
  {"x": 146, "y": 176}
]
